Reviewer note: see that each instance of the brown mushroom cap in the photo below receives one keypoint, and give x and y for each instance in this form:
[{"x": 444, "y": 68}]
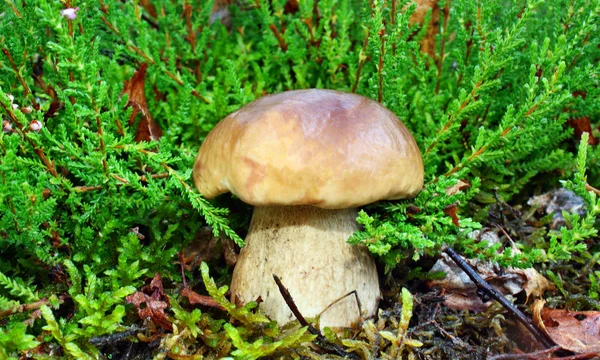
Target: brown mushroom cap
[{"x": 324, "y": 148}]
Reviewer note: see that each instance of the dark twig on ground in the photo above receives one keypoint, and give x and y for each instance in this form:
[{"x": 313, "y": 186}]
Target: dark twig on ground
[
  {"x": 116, "y": 337},
  {"x": 321, "y": 340},
  {"x": 532, "y": 355},
  {"x": 485, "y": 290}
]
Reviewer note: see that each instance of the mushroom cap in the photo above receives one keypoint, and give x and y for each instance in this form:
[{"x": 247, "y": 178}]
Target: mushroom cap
[{"x": 325, "y": 148}]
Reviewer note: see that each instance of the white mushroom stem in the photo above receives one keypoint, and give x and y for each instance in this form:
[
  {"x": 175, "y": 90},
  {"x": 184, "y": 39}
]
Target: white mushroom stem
[{"x": 306, "y": 247}]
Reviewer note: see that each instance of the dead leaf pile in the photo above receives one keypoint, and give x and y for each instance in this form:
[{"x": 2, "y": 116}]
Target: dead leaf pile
[
  {"x": 151, "y": 303},
  {"x": 576, "y": 331},
  {"x": 557, "y": 201},
  {"x": 461, "y": 293}
]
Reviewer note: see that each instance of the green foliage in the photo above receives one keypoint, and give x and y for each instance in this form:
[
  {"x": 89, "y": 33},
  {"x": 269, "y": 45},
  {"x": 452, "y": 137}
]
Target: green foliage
[
  {"x": 259, "y": 349},
  {"x": 243, "y": 314},
  {"x": 399, "y": 340},
  {"x": 15, "y": 339},
  {"x": 393, "y": 341},
  {"x": 16, "y": 287},
  {"x": 87, "y": 211},
  {"x": 188, "y": 319},
  {"x": 594, "y": 292},
  {"x": 572, "y": 239},
  {"x": 56, "y": 331},
  {"x": 265, "y": 345}
]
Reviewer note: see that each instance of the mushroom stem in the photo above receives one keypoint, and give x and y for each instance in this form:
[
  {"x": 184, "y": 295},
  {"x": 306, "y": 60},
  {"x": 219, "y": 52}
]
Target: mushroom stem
[{"x": 306, "y": 247}]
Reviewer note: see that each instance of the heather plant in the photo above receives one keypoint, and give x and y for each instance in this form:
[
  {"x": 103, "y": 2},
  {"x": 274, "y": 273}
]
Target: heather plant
[{"x": 104, "y": 105}]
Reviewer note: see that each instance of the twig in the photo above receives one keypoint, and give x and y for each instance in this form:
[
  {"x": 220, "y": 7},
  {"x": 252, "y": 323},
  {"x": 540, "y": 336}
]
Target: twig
[
  {"x": 115, "y": 338},
  {"x": 16, "y": 70},
  {"x": 362, "y": 58},
  {"x": 143, "y": 178},
  {"x": 26, "y": 307},
  {"x": 38, "y": 151},
  {"x": 279, "y": 38},
  {"x": 321, "y": 340},
  {"x": 381, "y": 58},
  {"x": 490, "y": 291},
  {"x": 353, "y": 292},
  {"x": 440, "y": 60},
  {"x": 525, "y": 356},
  {"x": 589, "y": 187}
]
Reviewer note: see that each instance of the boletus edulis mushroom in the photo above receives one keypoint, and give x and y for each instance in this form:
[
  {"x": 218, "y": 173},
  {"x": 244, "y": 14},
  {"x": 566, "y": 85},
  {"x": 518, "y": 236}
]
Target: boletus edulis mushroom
[{"x": 306, "y": 160}]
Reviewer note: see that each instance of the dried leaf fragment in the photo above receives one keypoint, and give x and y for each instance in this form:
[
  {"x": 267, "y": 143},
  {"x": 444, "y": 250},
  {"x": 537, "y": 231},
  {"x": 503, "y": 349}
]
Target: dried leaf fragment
[
  {"x": 451, "y": 210},
  {"x": 423, "y": 6},
  {"x": 152, "y": 306},
  {"x": 198, "y": 299},
  {"x": 581, "y": 125},
  {"x": 147, "y": 129},
  {"x": 458, "y": 187},
  {"x": 577, "y": 331}
]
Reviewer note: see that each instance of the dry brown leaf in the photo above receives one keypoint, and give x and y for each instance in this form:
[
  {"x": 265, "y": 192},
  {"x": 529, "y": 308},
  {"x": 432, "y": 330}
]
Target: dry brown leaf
[
  {"x": 576, "y": 331},
  {"x": 55, "y": 105},
  {"x": 152, "y": 306},
  {"x": 423, "y": 6},
  {"x": 147, "y": 129},
  {"x": 147, "y": 5},
  {"x": 450, "y": 210},
  {"x": 582, "y": 125},
  {"x": 156, "y": 286},
  {"x": 535, "y": 283},
  {"x": 198, "y": 299},
  {"x": 458, "y": 187}
]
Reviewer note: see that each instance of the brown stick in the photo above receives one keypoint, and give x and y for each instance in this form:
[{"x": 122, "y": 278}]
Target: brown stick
[
  {"x": 490, "y": 291},
  {"x": 320, "y": 340},
  {"x": 361, "y": 62},
  {"x": 381, "y": 58},
  {"x": 532, "y": 355},
  {"x": 26, "y": 307},
  {"x": 23, "y": 83},
  {"x": 589, "y": 187}
]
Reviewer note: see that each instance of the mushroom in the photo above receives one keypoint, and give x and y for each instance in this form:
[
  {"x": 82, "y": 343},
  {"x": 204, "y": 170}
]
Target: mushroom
[{"x": 306, "y": 160}]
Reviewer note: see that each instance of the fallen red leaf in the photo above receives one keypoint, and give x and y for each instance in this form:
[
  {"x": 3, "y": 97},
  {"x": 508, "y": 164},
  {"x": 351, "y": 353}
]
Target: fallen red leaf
[
  {"x": 451, "y": 211},
  {"x": 198, "y": 299},
  {"x": 157, "y": 288},
  {"x": 428, "y": 43},
  {"x": 147, "y": 129},
  {"x": 55, "y": 105},
  {"x": 582, "y": 125},
  {"x": 152, "y": 306},
  {"x": 576, "y": 331}
]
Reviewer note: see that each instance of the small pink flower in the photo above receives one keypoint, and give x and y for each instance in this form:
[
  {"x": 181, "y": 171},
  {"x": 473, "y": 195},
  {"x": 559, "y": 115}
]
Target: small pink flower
[
  {"x": 15, "y": 106},
  {"x": 35, "y": 125},
  {"x": 11, "y": 98},
  {"x": 6, "y": 126},
  {"x": 26, "y": 110},
  {"x": 70, "y": 13}
]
